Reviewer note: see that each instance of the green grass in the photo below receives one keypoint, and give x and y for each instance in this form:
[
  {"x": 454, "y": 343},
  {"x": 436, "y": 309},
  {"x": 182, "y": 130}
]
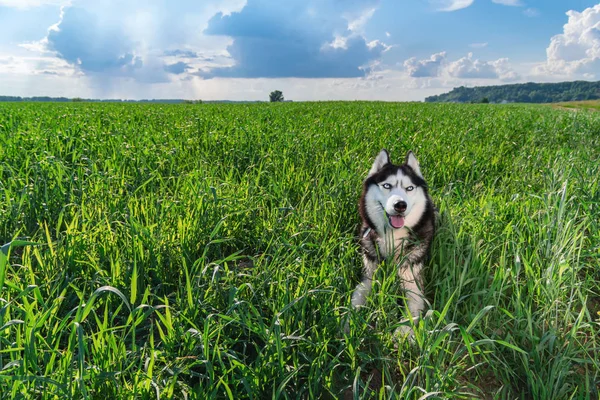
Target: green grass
[
  {"x": 593, "y": 105},
  {"x": 210, "y": 251}
]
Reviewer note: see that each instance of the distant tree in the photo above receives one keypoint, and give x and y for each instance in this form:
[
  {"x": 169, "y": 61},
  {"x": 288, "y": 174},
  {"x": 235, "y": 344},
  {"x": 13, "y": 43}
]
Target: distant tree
[
  {"x": 485, "y": 100},
  {"x": 77, "y": 100},
  {"x": 275, "y": 96}
]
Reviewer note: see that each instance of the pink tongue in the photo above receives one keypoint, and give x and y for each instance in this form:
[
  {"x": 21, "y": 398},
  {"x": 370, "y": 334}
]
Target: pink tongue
[{"x": 396, "y": 221}]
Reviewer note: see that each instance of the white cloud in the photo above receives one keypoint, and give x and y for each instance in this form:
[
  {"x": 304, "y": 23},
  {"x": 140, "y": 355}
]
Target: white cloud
[
  {"x": 338, "y": 42},
  {"x": 464, "y": 68},
  {"x": 478, "y": 45},
  {"x": 531, "y": 12},
  {"x": 357, "y": 24},
  {"x": 373, "y": 44},
  {"x": 286, "y": 39},
  {"x": 451, "y": 5},
  {"x": 162, "y": 33},
  {"x": 35, "y": 65},
  {"x": 357, "y": 20},
  {"x": 468, "y": 67},
  {"x": 25, "y": 4},
  {"x": 161, "y": 48},
  {"x": 96, "y": 40},
  {"x": 425, "y": 68},
  {"x": 575, "y": 52},
  {"x": 392, "y": 86},
  {"x": 514, "y": 3}
]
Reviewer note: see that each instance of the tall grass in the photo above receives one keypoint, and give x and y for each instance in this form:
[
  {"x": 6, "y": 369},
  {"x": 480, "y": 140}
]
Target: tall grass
[{"x": 154, "y": 251}]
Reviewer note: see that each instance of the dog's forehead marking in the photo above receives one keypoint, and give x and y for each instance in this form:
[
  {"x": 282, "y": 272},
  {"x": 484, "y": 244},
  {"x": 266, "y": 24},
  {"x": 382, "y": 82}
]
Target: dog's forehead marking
[
  {"x": 403, "y": 179},
  {"x": 399, "y": 178},
  {"x": 406, "y": 181}
]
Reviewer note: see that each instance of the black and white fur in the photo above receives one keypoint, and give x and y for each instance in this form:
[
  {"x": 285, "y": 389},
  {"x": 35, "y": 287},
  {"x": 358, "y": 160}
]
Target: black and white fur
[{"x": 398, "y": 220}]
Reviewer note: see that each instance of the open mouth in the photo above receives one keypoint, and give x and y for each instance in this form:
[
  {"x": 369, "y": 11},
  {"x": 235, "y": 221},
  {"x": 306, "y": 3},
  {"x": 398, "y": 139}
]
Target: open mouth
[{"x": 396, "y": 221}]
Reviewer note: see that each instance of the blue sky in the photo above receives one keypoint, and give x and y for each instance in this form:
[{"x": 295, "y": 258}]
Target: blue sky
[{"x": 309, "y": 49}]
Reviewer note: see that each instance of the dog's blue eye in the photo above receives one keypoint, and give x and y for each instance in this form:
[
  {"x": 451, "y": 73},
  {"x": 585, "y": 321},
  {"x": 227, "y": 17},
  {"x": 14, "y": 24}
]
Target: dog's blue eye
[
  {"x": 410, "y": 188},
  {"x": 386, "y": 186}
]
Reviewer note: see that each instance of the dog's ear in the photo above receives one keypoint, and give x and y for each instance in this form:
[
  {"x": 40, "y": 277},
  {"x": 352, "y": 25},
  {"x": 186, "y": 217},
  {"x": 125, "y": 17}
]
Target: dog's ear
[
  {"x": 412, "y": 162},
  {"x": 382, "y": 159}
]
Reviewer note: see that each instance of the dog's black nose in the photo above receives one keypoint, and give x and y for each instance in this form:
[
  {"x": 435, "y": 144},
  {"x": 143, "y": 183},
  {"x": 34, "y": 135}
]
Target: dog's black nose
[{"x": 400, "y": 206}]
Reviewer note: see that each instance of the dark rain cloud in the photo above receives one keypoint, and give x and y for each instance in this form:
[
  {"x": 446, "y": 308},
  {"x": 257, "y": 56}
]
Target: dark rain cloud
[
  {"x": 293, "y": 40},
  {"x": 177, "y": 68},
  {"x": 81, "y": 40}
]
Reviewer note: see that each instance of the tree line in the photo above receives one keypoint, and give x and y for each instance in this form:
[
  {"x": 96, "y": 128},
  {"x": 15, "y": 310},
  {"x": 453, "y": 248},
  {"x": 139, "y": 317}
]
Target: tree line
[
  {"x": 522, "y": 93},
  {"x": 79, "y": 99}
]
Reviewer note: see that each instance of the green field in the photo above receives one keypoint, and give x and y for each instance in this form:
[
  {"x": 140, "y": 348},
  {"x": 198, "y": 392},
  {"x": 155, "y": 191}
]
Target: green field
[
  {"x": 209, "y": 251},
  {"x": 592, "y": 105}
]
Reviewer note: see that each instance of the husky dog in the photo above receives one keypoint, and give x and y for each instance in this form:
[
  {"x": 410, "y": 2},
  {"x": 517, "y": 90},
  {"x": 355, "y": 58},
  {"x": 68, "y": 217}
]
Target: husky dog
[{"x": 398, "y": 221}]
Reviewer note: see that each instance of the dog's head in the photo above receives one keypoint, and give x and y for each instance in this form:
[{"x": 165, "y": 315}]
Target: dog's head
[{"x": 394, "y": 196}]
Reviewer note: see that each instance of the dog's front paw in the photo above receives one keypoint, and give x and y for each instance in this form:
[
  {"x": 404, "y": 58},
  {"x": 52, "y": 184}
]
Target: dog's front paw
[
  {"x": 346, "y": 326},
  {"x": 404, "y": 332}
]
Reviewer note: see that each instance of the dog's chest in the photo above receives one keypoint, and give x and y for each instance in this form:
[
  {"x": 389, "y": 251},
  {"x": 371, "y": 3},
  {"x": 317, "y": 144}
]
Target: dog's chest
[
  {"x": 399, "y": 235},
  {"x": 394, "y": 243}
]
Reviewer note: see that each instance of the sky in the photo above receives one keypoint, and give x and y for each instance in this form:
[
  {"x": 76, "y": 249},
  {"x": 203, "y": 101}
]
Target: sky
[{"x": 391, "y": 50}]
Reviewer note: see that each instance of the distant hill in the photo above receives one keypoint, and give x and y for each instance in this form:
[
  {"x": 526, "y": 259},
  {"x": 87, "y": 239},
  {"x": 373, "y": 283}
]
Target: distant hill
[{"x": 522, "y": 93}]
